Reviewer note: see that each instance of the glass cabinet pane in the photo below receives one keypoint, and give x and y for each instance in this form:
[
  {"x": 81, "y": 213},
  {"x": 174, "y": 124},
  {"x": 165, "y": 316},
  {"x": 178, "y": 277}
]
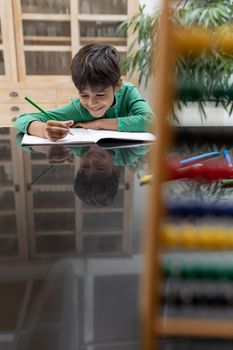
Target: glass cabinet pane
[
  {"x": 5, "y": 150},
  {"x": 54, "y": 221},
  {"x": 47, "y": 63},
  {"x": 6, "y": 174},
  {"x": 45, "y": 174},
  {"x": 46, "y": 32},
  {"x": 102, "y": 244},
  {"x": 7, "y": 200},
  {"x": 8, "y": 224},
  {"x": 8, "y": 247},
  {"x": 53, "y": 199},
  {"x": 55, "y": 244},
  {"x": 2, "y": 68},
  {"x": 113, "y": 7},
  {"x": 102, "y": 222},
  {"x": 46, "y": 6},
  {"x": 105, "y": 31}
]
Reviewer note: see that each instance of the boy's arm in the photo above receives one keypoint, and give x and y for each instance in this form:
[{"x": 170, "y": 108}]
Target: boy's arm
[
  {"x": 99, "y": 124},
  {"x": 53, "y": 128},
  {"x": 62, "y": 114},
  {"x": 139, "y": 116}
]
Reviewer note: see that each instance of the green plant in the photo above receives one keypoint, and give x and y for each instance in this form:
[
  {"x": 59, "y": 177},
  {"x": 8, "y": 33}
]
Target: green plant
[
  {"x": 140, "y": 51},
  {"x": 202, "y": 79}
]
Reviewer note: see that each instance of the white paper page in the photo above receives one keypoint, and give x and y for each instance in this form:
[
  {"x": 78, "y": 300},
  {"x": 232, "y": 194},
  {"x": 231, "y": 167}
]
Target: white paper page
[
  {"x": 79, "y": 136},
  {"x": 108, "y": 134}
]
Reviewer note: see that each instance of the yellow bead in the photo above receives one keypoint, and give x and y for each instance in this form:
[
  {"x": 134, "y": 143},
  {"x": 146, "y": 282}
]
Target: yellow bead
[
  {"x": 188, "y": 237},
  {"x": 205, "y": 238},
  {"x": 169, "y": 237}
]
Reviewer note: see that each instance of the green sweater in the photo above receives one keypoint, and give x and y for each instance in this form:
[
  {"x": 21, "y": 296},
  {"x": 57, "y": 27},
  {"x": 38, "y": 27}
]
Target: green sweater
[{"x": 132, "y": 112}]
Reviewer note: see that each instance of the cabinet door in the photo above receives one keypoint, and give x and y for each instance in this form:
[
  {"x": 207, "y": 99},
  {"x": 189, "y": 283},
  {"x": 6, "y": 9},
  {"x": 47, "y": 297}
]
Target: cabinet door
[
  {"x": 8, "y": 70},
  {"x": 98, "y": 21},
  {"x": 13, "y": 243},
  {"x": 43, "y": 33}
]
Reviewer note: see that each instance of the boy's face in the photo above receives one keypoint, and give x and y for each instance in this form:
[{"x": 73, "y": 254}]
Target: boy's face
[
  {"x": 98, "y": 101},
  {"x": 96, "y": 160}
]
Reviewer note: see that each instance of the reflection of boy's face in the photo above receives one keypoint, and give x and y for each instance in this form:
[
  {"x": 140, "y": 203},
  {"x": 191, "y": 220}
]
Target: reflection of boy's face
[
  {"x": 97, "y": 160},
  {"x": 98, "y": 101}
]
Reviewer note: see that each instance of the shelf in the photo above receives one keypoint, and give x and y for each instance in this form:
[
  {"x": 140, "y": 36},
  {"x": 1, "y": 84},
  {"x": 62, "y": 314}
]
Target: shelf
[
  {"x": 7, "y": 212},
  {"x": 194, "y": 328},
  {"x": 101, "y": 18},
  {"x": 5, "y": 162},
  {"x": 46, "y": 38},
  {"x": 103, "y": 38},
  {"x": 52, "y": 187},
  {"x": 101, "y": 233},
  {"x": 7, "y": 188},
  {"x": 8, "y": 236},
  {"x": 121, "y": 48},
  {"x": 54, "y": 233},
  {"x": 45, "y": 17},
  {"x": 54, "y": 48},
  {"x": 53, "y": 210},
  {"x": 100, "y": 210}
]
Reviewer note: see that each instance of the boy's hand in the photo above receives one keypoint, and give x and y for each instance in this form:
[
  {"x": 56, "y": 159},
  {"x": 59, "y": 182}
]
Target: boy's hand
[
  {"x": 104, "y": 124},
  {"x": 55, "y": 130},
  {"x": 60, "y": 154}
]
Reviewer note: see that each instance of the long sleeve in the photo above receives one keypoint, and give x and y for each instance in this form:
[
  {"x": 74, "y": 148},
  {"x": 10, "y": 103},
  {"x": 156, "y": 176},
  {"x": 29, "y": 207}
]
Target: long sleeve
[
  {"x": 64, "y": 113},
  {"x": 137, "y": 115}
]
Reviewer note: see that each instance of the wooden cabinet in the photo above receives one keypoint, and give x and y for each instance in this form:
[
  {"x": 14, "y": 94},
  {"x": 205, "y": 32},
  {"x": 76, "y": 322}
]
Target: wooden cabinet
[
  {"x": 38, "y": 39},
  {"x": 12, "y": 199},
  {"x": 8, "y": 65}
]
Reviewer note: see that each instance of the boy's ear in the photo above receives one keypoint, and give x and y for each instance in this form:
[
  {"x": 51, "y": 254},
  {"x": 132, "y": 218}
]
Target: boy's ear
[{"x": 118, "y": 85}]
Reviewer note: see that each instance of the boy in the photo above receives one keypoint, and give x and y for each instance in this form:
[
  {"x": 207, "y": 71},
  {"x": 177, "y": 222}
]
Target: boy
[{"x": 104, "y": 101}]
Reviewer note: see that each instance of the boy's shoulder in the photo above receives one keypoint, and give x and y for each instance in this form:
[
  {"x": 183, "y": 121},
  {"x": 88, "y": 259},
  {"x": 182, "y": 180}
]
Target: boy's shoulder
[
  {"x": 126, "y": 89},
  {"x": 126, "y": 86}
]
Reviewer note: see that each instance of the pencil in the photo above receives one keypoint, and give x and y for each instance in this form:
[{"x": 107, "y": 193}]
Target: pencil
[
  {"x": 146, "y": 179},
  {"x": 192, "y": 166},
  {"x": 41, "y": 110},
  {"x": 46, "y": 172},
  {"x": 200, "y": 156},
  {"x": 226, "y": 183},
  {"x": 227, "y": 158}
]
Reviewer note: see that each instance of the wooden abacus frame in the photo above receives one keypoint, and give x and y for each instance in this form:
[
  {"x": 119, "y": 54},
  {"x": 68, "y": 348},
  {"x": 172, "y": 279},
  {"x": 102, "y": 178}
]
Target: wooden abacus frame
[
  {"x": 163, "y": 102},
  {"x": 152, "y": 325}
]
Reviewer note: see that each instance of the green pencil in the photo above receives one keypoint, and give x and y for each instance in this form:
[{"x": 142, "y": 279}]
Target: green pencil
[
  {"x": 226, "y": 183},
  {"x": 42, "y": 111},
  {"x": 46, "y": 172}
]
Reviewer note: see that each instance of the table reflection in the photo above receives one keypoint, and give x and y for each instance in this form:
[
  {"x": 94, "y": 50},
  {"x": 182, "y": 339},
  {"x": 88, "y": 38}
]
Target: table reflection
[
  {"x": 71, "y": 223},
  {"x": 62, "y": 201}
]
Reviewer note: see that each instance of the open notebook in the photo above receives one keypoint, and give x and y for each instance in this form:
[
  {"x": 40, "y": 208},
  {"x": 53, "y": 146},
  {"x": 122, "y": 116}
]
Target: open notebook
[{"x": 88, "y": 136}]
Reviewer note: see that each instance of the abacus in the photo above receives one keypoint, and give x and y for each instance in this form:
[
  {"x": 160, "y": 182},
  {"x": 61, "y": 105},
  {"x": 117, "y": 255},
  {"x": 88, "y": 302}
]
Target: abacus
[{"x": 162, "y": 235}]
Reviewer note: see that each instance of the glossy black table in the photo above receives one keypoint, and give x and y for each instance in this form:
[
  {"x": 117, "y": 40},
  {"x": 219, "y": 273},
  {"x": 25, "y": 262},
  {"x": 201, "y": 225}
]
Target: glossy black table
[{"x": 70, "y": 250}]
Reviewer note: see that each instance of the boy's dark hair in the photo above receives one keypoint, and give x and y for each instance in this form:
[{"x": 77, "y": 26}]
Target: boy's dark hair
[
  {"x": 96, "y": 65},
  {"x": 96, "y": 189}
]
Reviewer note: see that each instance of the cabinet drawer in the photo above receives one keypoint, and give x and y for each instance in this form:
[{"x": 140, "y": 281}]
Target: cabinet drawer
[
  {"x": 38, "y": 95},
  {"x": 11, "y": 110}
]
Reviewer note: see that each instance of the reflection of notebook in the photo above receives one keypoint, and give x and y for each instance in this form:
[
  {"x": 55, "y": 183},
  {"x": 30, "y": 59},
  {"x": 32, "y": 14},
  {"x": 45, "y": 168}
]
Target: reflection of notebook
[
  {"x": 111, "y": 144},
  {"x": 89, "y": 136}
]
